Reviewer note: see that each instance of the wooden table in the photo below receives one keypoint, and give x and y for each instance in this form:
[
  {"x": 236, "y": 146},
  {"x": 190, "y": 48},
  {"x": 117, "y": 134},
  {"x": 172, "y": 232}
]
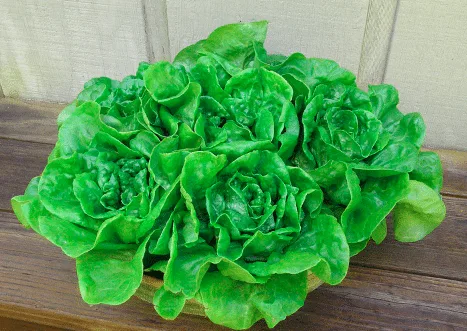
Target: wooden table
[{"x": 393, "y": 286}]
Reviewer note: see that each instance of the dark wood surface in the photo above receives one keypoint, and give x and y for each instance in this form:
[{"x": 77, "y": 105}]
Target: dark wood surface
[
  {"x": 393, "y": 286},
  {"x": 12, "y": 324},
  {"x": 29, "y": 121}
]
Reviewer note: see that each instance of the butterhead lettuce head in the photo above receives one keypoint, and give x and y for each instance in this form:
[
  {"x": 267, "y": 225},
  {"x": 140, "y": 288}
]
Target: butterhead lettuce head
[{"x": 232, "y": 174}]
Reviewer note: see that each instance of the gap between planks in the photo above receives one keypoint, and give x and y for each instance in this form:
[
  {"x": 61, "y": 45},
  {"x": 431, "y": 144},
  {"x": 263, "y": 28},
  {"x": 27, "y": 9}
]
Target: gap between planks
[
  {"x": 405, "y": 271},
  {"x": 376, "y": 43}
]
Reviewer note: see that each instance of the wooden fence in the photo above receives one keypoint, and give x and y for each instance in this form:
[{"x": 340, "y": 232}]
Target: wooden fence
[{"x": 48, "y": 49}]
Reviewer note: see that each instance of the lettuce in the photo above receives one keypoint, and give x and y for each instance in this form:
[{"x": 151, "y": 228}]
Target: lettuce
[{"x": 232, "y": 174}]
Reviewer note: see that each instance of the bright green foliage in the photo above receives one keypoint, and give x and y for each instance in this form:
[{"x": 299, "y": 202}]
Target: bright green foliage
[
  {"x": 418, "y": 214},
  {"x": 233, "y": 173}
]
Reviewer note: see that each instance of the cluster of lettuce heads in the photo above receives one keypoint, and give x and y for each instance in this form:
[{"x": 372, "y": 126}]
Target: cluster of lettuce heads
[{"x": 232, "y": 173}]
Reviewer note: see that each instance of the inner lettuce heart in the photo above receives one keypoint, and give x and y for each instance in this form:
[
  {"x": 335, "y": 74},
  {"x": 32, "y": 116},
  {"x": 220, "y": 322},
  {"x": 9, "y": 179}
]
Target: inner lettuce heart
[{"x": 231, "y": 174}]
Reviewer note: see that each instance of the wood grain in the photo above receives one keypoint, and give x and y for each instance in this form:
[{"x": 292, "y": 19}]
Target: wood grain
[
  {"x": 385, "y": 300},
  {"x": 20, "y": 161},
  {"x": 8, "y": 324},
  {"x": 29, "y": 121},
  {"x": 427, "y": 65},
  {"x": 454, "y": 172},
  {"x": 156, "y": 28},
  {"x": 38, "y": 283},
  {"x": 49, "y": 51},
  {"x": 331, "y": 29}
]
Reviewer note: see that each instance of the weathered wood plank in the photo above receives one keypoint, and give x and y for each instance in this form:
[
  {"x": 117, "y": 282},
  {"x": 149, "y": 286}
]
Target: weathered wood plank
[
  {"x": 20, "y": 161},
  {"x": 29, "y": 121},
  {"x": 156, "y": 28},
  {"x": 38, "y": 283},
  {"x": 427, "y": 64},
  {"x": 371, "y": 299},
  {"x": 49, "y": 51},
  {"x": 443, "y": 253},
  {"x": 331, "y": 29},
  {"x": 8, "y": 324},
  {"x": 454, "y": 172}
]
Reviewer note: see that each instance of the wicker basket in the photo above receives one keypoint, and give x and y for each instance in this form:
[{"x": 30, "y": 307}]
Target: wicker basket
[{"x": 150, "y": 285}]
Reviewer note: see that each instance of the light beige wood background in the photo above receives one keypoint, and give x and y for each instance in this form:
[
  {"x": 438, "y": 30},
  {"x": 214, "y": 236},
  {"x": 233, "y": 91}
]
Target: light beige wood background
[
  {"x": 49, "y": 49},
  {"x": 428, "y": 64},
  {"x": 319, "y": 28}
]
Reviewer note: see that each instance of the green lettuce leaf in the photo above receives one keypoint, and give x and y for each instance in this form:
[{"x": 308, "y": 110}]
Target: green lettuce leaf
[
  {"x": 110, "y": 274},
  {"x": 230, "y": 45},
  {"x": 428, "y": 170},
  {"x": 418, "y": 214},
  {"x": 239, "y": 305}
]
